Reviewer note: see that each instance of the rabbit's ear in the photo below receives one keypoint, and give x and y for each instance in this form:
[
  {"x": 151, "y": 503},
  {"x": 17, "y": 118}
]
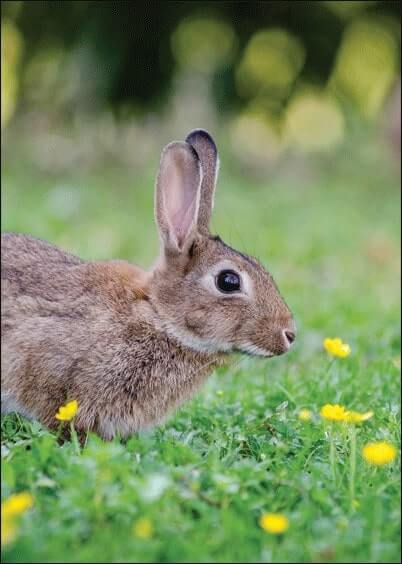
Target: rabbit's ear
[
  {"x": 177, "y": 196},
  {"x": 208, "y": 155}
]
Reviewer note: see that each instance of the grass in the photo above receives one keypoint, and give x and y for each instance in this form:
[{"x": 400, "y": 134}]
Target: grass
[{"x": 329, "y": 234}]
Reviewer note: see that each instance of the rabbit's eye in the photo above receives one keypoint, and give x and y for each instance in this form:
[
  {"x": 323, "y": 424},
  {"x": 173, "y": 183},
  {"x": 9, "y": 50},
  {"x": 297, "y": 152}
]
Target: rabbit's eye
[{"x": 228, "y": 281}]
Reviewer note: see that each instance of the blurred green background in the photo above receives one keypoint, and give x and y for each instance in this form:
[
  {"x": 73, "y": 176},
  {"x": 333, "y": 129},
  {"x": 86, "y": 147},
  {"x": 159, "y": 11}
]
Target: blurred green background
[{"x": 84, "y": 81}]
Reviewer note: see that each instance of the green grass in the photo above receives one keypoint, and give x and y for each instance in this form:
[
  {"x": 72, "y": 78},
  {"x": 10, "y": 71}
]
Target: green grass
[{"x": 330, "y": 236}]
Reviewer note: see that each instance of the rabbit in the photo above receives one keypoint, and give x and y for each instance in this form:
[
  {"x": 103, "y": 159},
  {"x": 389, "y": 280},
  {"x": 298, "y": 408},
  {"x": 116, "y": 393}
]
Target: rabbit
[{"x": 130, "y": 345}]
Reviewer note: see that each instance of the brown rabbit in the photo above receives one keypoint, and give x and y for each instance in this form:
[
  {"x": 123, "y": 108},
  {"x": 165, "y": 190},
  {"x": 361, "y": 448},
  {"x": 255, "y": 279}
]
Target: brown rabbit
[{"x": 130, "y": 345}]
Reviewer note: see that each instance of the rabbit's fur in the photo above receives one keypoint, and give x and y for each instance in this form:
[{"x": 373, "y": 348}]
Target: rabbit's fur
[{"x": 130, "y": 345}]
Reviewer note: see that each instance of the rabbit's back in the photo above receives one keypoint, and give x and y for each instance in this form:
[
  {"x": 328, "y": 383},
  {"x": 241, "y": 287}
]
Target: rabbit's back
[
  {"x": 22, "y": 250},
  {"x": 37, "y": 274},
  {"x": 31, "y": 266}
]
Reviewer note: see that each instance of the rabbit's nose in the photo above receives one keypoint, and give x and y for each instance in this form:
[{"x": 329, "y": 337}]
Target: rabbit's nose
[{"x": 289, "y": 336}]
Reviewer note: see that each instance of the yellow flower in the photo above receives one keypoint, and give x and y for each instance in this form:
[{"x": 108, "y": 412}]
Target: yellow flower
[
  {"x": 68, "y": 411},
  {"x": 333, "y": 412},
  {"x": 379, "y": 453},
  {"x": 11, "y": 509},
  {"x": 355, "y": 417},
  {"x": 16, "y": 504},
  {"x": 304, "y": 415},
  {"x": 143, "y": 528},
  {"x": 9, "y": 530},
  {"x": 336, "y": 347},
  {"x": 274, "y": 523}
]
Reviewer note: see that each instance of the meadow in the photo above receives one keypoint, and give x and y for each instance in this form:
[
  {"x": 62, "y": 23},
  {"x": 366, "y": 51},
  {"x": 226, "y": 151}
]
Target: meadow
[{"x": 195, "y": 488}]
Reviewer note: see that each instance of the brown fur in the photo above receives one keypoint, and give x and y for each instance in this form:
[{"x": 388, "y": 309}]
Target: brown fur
[{"x": 131, "y": 345}]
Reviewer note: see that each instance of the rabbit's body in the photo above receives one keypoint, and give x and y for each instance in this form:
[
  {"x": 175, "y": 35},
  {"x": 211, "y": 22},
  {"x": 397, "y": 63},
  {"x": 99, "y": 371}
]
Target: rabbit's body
[
  {"x": 130, "y": 345},
  {"x": 88, "y": 331}
]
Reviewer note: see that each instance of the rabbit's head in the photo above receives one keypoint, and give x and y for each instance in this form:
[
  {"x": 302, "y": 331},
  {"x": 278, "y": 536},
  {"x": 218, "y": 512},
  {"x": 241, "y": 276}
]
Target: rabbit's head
[{"x": 208, "y": 296}]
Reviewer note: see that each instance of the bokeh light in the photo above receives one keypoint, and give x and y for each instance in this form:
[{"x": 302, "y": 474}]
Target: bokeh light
[
  {"x": 366, "y": 64},
  {"x": 42, "y": 75},
  {"x": 271, "y": 62},
  {"x": 203, "y": 44},
  {"x": 255, "y": 137},
  {"x": 313, "y": 122}
]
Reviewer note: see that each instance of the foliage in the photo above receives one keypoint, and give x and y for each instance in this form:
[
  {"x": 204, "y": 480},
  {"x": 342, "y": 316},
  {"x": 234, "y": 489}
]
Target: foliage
[{"x": 86, "y": 54}]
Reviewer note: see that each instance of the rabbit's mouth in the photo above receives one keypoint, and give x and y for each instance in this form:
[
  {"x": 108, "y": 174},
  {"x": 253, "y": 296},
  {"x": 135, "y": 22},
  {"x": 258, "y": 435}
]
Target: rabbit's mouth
[{"x": 253, "y": 350}]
